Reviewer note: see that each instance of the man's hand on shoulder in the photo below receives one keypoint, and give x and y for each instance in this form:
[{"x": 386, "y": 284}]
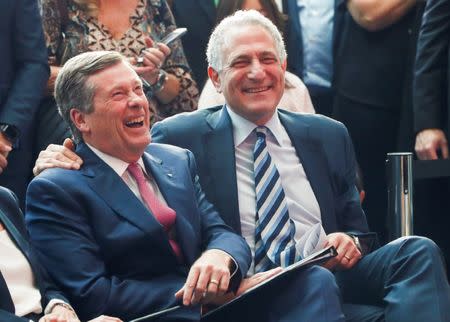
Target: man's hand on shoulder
[
  {"x": 429, "y": 142},
  {"x": 348, "y": 252},
  {"x": 58, "y": 156},
  {"x": 208, "y": 278}
]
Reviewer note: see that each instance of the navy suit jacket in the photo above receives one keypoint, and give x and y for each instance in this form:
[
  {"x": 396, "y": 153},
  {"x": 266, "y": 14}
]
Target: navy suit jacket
[
  {"x": 432, "y": 70},
  {"x": 12, "y": 219},
  {"x": 106, "y": 250},
  {"x": 23, "y": 77},
  {"x": 323, "y": 146},
  {"x": 294, "y": 39},
  {"x": 23, "y": 61}
]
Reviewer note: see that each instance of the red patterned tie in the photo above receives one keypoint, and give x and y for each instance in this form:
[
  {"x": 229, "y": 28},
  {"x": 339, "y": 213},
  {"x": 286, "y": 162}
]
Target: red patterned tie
[{"x": 164, "y": 214}]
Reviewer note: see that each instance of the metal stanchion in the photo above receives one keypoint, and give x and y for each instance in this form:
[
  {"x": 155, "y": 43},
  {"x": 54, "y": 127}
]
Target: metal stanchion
[{"x": 400, "y": 194}]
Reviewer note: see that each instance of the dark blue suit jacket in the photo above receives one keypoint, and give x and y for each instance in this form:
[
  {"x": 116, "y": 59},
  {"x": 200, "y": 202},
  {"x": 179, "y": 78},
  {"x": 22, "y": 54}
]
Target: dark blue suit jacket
[
  {"x": 323, "y": 146},
  {"x": 199, "y": 17},
  {"x": 12, "y": 219},
  {"x": 23, "y": 77},
  {"x": 106, "y": 250},
  {"x": 432, "y": 70},
  {"x": 294, "y": 39}
]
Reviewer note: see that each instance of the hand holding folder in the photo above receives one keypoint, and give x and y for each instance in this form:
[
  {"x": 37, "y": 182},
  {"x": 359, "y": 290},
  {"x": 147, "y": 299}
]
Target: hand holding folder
[{"x": 318, "y": 257}]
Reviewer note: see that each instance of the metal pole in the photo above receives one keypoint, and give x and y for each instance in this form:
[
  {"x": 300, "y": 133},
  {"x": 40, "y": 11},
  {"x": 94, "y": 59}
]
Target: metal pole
[{"x": 400, "y": 194}]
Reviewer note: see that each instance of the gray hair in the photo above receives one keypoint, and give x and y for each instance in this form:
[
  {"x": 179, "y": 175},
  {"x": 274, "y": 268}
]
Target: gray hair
[
  {"x": 72, "y": 88},
  {"x": 240, "y": 18}
]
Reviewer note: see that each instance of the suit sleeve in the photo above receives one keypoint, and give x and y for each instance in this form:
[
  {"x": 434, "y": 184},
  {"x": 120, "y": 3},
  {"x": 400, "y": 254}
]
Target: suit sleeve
[
  {"x": 217, "y": 235},
  {"x": 431, "y": 67},
  {"x": 60, "y": 229},
  {"x": 31, "y": 66},
  {"x": 349, "y": 213},
  {"x": 6, "y": 316}
]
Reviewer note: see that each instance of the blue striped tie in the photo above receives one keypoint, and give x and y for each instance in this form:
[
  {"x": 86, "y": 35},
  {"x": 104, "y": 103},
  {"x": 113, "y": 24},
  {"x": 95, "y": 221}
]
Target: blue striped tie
[{"x": 274, "y": 231}]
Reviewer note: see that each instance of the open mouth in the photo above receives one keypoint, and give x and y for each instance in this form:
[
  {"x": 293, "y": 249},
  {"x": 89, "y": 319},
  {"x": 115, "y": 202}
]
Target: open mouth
[
  {"x": 257, "y": 89},
  {"x": 135, "y": 122}
]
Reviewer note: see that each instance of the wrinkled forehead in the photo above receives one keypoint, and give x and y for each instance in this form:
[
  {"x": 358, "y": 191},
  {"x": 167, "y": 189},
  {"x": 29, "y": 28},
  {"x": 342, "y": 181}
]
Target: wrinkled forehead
[
  {"x": 113, "y": 76},
  {"x": 247, "y": 40}
]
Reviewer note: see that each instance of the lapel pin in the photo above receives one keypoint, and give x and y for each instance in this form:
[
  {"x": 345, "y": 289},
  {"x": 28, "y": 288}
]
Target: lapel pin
[{"x": 170, "y": 175}]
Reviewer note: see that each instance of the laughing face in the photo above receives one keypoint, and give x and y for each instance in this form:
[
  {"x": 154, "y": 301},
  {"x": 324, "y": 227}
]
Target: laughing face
[
  {"x": 119, "y": 123},
  {"x": 252, "y": 79}
]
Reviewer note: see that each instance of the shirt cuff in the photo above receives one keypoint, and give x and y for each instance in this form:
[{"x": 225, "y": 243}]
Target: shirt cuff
[{"x": 50, "y": 306}]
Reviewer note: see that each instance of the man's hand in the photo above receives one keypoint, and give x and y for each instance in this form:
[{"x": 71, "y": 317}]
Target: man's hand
[
  {"x": 105, "y": 318},
  {"x": 58, "y": 156},
  {"x": 348, "y": 253},
  {"x": 208, "y": 278},
  {"x": 246, "y": 284},
  {"x": 428, "y": 142},
  {"x": 5, "y": 148},
  {"x": 60, "y": 314}
]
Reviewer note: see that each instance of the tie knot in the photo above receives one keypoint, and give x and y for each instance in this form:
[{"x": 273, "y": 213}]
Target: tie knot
[
  {"x": 261, "y": 132},
  {"x": 136, "y": 171}
]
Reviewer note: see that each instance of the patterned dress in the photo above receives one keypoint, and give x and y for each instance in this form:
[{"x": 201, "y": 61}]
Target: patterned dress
[{"x": 79, "y": 32}]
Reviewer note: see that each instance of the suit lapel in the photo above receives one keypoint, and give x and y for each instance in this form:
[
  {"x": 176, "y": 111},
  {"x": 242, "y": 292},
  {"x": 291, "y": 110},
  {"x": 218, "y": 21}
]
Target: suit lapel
[
  {"x": 113, "y": 190},
  {"x": 174, "y": 193},
  {"x": 219, "y": 147},
  {"x": 313, "y": 159}
]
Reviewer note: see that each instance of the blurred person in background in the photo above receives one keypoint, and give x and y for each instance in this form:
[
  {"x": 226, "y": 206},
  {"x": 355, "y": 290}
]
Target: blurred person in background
[
  {"x": 295, "y": 97},
  {"x": 431, "y": 101},
  {"x": 133, "y": 28},
  {"x": 371, "y": 64},
  {"x": 24, "y": 72},
  {"x": 199, "y": 17}
]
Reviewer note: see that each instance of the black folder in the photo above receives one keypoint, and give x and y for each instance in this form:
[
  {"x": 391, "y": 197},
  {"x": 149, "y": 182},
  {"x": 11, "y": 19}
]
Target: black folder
[{"x": 318, "y": 257}]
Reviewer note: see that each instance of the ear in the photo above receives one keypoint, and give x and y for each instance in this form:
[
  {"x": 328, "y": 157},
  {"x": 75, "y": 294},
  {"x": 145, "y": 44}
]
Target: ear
[
  {"x": 79, "y": 120},
  {"x": 215, "y": 79},
  {"x": 284, "y": 65}
]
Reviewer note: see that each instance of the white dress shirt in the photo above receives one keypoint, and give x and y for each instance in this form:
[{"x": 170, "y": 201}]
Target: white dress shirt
[
  {"x": 302, "y": 204},
  {"x": 120, "y": 167},
  {"x": 18, "y": 277}
]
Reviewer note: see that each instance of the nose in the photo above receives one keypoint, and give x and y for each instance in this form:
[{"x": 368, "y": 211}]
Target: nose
[
  {"x": 136, "y": 100},
  {"x": 256, "y": 70}
]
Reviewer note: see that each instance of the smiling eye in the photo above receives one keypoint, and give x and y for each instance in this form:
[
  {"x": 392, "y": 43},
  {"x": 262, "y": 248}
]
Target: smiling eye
[
  {"x": 118, "y": 94},
  {"x": 138, "y": 89},
  {"x": 240, "y": 63},
  {"x": 269, "y": 60}
]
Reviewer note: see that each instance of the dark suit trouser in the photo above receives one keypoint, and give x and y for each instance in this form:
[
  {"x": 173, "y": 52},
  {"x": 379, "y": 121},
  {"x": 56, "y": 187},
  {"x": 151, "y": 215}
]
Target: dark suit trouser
[
  {"x": 310, "y": 295},
  {"x": 406, "y": 277}
]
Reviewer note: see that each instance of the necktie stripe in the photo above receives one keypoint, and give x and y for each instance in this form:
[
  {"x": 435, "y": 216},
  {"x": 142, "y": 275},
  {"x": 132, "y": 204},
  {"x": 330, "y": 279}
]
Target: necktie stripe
[
  {"x": 266, "y": 214},
  {"x": 267, "y": 181},
  {"x": 262, "y": 169},
  {"x": 274, "y": 231},
  {"x": 269, "y": 196}
]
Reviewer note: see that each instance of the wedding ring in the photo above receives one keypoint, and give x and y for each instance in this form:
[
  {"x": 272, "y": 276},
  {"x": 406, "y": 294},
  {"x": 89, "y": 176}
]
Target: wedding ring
[
  {"x": 214, "y": 282},
  {"x": 139, "y": 61}
]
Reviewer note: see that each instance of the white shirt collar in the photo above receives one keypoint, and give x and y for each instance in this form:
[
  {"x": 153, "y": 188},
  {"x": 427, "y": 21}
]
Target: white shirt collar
[
  {"x": 118, "y": 165},
  {"x": 242, "y": 127}
]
